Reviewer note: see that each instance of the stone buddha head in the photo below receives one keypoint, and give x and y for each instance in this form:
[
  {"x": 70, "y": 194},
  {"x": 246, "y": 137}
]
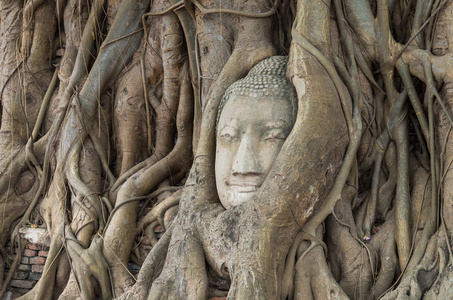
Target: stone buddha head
[{"x": 255, "y": 117}]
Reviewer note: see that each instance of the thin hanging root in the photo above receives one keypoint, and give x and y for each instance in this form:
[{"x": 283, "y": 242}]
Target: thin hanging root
[
  {"x": 370, "y": 216},
  {"x": 148, "y": 112},
  {"x": 173, "y": 7},
  {"x": 424, "y": 155},
  {"x": 44, "y": 105},
  {"x": 413, "y": 96},
  {"x": 107, "y": 204},
  {"x": 365, "y": 69},
  {"x": 102, "y": 156},
  {"x": 158, "y": 211},
  {"x": 431, "y": 88},
  {"x": 32, "y": 160}
]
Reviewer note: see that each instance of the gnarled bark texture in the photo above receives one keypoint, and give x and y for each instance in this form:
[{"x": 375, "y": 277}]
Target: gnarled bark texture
[{"x": 108, "y": 136}]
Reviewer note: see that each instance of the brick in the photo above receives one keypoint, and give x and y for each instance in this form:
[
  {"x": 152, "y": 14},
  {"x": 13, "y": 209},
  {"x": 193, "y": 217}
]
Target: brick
[
  {"x": 24, "y": 284},
  {"x": 25, "y": 260},
  {"x": 37, "y": 260},
  {"x": 20, "y": 275},
  {"x": 29, "y": 253},
  {"x": 34, "y": 276},
  {"x": 24, "y": 268},
  {"x": 37, "y": 268},
  {"x": 34, "y": 247},
  {"x": 43, "y": 253}
]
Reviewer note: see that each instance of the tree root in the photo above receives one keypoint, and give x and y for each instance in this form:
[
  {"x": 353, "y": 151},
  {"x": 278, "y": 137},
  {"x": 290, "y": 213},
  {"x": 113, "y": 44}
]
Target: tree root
[
  {"x": 88, "y": 263},
  {"x": 147, "y": 179},
  {"x": 150, "y": 270},
  {"x": 420, "y": 279},
  {"x": 313, "y": 279},
  {"x": 157, "y": 213}
]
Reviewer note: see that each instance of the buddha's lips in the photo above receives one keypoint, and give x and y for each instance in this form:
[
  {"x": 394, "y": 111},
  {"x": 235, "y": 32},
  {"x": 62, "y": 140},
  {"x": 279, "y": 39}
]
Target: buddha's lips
[{"x": 243, "y": 186}]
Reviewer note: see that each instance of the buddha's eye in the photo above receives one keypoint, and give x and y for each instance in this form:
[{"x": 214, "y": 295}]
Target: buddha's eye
[
  {"x": 274, "y": 134},
  {"x": 228, "y": 134}
]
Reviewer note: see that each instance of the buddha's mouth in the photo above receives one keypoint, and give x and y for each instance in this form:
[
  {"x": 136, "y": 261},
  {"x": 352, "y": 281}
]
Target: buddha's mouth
[{"x": 243, "y": 186}]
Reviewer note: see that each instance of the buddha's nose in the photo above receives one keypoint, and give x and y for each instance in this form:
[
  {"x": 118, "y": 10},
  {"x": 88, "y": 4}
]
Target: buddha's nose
[{"x": 246, "y": 160}]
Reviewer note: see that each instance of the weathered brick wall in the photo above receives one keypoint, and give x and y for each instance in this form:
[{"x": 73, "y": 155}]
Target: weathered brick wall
[{"x": 29, "y": 271}]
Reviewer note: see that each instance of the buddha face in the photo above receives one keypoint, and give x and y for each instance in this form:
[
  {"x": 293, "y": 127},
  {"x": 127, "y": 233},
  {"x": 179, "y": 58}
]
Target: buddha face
[{"x": 250, "y": 134}]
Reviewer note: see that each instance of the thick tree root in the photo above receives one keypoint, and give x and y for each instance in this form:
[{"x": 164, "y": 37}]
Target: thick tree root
[
  {"x": 420, "y": 279},
  {"x": 150, "y": 270},
  {"x": 88, "y": 263},
  {"x": 313, "y": 279}
]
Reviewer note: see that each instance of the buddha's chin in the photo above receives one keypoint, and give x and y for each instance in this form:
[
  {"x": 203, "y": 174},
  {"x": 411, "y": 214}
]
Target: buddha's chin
[{"x": 234, "y": 198}]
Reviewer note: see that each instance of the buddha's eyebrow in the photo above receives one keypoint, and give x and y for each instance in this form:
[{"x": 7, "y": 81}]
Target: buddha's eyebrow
[{"x": 232, "y": 126}]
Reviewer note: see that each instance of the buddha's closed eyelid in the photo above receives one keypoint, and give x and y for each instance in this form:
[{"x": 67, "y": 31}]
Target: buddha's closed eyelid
[
  {"x": 275, "y": 133},
  {"x": 228, "y": 133},
  {"x": 276, "y": 124}
]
